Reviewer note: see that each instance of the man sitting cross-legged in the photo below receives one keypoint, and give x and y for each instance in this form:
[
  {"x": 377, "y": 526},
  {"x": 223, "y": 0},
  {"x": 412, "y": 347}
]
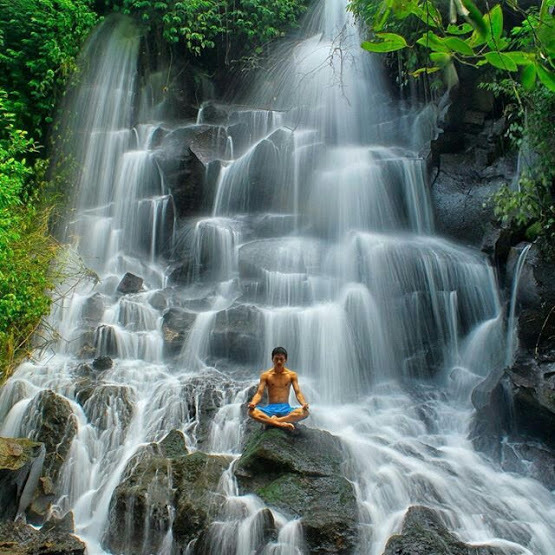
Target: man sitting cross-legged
[{"x": 278, "y": 380}]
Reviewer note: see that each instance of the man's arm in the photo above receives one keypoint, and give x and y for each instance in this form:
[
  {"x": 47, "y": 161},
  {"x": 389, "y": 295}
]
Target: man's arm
[
  {"x": 259, "y": 392},
  {"x": 298, "y": 392}
]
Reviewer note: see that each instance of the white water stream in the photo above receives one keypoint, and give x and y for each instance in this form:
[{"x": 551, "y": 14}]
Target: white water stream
[{"x": 389, "y": 326}]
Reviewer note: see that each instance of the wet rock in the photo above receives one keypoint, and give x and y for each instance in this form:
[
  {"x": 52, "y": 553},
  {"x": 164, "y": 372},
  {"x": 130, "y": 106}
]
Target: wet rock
[
  {"x": 105, "y": 342},
  {"x": 163, "y": 484},
  {"x": 300, "y": 475},
  {"x": 496, "y": 243},
  {"x": 515, "y": 418},
  {"x": 102, "y": 363},
  {"x": 110, "y": 407},
  {"x": 21, "y": 463},
  {"x": 18, "y": 538},
  {"x": 130, "y": 283},
  {"x": 196, "y": 478},
  {"x": 158, "y": 300},
  {"x": 93, "y": 309},
  {"x": 535, "y": 298},
  {"x": 63, "y": 524},
  {"x": 236, "y": 335},
  {"x": 284, "y": 255},
  {"x": 173, "y": 445},
  {"x": 50, "y": 419},
  {"x": 262, "y": 530},
  {"x": 176, "y": 325},
  {"x": 533, "y": 394},
  {"x": 184, "y": 170},
  {"x": 423, "y": 533},
  {"x": 215, "y": 113}
]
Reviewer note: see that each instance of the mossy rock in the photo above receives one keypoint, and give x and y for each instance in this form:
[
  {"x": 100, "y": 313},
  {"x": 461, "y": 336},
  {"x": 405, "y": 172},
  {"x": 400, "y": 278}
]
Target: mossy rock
[{"x": 299, "y": 474}]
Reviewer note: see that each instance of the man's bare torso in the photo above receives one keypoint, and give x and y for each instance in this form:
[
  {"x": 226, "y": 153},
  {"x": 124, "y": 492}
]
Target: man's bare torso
[{"x": 278, "y": 384}]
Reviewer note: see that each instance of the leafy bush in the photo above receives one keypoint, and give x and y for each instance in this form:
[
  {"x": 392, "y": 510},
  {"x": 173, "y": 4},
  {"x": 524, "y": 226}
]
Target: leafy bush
[
  {"x": 26, "y": 248},
  {"x": 238, "y": 25},
  {"x": 39, "y": 40}
]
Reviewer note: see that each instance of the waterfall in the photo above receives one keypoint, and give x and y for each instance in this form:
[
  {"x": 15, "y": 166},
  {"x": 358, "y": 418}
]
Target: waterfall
[{"x": 319, "y": 237}]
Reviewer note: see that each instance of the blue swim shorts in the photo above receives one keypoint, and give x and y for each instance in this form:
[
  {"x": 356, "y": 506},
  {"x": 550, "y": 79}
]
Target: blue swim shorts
[{"x": 277, "y": 409}]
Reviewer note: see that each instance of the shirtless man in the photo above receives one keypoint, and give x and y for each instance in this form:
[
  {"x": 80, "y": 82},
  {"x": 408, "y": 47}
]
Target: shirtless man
[{"x": 278, "y": 380}]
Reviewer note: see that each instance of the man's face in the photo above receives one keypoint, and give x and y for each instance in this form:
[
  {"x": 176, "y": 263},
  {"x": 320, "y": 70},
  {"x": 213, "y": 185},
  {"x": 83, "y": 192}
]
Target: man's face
[{"x": 279, "y": 361}]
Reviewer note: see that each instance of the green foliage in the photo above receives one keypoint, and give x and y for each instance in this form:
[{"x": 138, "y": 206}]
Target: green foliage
[
  {"x": 531, "y": 208},
  {"x": 39, "y": 40},
  {"x": 25, "y": 245},
  {"x": 201, "y": 24},
  {"x": 479, "y": 40}
]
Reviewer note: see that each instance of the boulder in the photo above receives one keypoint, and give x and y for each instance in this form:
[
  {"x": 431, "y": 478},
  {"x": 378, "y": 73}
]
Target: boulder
[
  {"x": 166, "y": 487},
  {"x": 18, "y": 538},
  {"x": 236, "y": 335},
  {"x": 102, "y": 363},
  {"x": 93, "y": 309},
  {"x": 49, "y": 418},
  {"x": 299, "y": 474},
  {"x": 423, "y": 533},
  {"x": 21, "y": 463},
  {"x": 176, "y": 325},
  {"x": 130, "y": 283},
  {"x": 158, "y": 300}
]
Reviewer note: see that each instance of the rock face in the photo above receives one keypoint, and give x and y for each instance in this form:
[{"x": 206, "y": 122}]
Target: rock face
[
  {"x": 50, "y": 419},
  {"x": 17, "y": 538},
  {"x": 300, "y": 475},
  {"x": 168, "y": 488},
  {"x": 515, "y": 418},
  {"x": 236, "y": 335},
  {"x": 535, "y": 299},
  {"x": 424, "y": 534},
  {"x": 20, "y": 467}
]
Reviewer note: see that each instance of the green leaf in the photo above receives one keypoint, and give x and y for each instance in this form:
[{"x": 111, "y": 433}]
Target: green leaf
[
  {"x": 391, "y": 42},
  {"x": 460, "y": 46},
  {"x": 494, "y": 22},
  {"x": 426, "y": 70},
  {"x": 459, "y": 29},
  {"x": 440, "y": 58},
  {"x": 431, "y": 40},
  {"x": 475, "y": 16},
  {"x": 546, "y": 77},
  {"x": 528, "y": 77},
  {"x": 500, "y": 60},
  {"x": 519, "y": 58}
]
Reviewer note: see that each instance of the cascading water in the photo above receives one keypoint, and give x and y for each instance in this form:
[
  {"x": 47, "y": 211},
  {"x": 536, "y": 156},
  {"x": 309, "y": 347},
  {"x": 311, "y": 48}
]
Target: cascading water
[{"x": 324, "y": 238}]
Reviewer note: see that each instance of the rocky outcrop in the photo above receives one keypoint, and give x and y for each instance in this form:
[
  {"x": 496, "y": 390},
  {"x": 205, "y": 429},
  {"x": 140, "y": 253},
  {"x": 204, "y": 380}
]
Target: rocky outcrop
[
  {"x": 515, "y": 418},
  {"x": 535, "y": 299},
  {"x": 167, "y": 487},
  {"x": 18, "y": 538},
  {"x": 423, "y": 533},
  {"x": 299, "y": 474},
  {"x": 21, "y": 463}
]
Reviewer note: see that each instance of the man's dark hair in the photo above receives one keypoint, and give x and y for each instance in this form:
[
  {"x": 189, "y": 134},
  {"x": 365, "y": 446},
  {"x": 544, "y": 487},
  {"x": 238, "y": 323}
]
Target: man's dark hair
[{"x": 279, "y": 351}]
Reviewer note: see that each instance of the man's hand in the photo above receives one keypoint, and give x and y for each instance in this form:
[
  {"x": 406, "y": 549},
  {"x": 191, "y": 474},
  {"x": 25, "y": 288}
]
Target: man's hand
[
  {"x": 251, "y": 405},
  {"x": 305, "y": 406}
]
